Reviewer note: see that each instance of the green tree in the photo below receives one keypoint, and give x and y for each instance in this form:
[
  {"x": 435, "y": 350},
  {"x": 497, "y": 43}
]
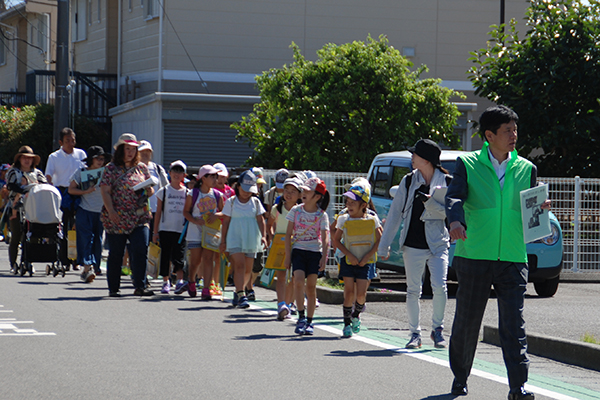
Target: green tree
[
  {"x": 357, "y": 100},
  {"x": 551, "y": 78},
  {"x": 33, "y": 126}
]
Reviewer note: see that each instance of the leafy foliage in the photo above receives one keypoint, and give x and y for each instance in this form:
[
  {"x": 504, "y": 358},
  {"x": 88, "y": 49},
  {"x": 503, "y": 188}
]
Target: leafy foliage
[
  {"x": 357, "y": 100},
  {"x": 551, "y": 78},
  {"x": 33, "y": 126}
]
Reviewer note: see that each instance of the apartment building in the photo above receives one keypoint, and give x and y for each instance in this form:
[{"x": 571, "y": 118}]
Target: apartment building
[{"x": 185, "y": 69}]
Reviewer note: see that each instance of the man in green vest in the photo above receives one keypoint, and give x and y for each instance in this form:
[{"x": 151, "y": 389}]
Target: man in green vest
[{"x": 483, "y": 200}]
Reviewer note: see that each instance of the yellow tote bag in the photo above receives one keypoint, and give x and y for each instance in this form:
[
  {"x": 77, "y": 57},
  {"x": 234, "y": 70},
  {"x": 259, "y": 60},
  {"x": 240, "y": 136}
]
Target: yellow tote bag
[
  {"x": 276, "y": 253},
  {"x": 72, "y": 245},
  {"x": 153, "y": 260},
  {"x": 211, "y": 234},
  {"x": 359, "y": 238}
]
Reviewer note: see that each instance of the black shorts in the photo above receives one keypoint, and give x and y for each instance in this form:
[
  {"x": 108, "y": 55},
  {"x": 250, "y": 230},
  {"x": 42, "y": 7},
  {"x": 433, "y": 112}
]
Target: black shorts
[{"x": 307, "y": 261}]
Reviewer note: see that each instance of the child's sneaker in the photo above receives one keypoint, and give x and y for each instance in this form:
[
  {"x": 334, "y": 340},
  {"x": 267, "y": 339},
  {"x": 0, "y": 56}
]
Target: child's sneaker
[
  {"x": 251, "y": 295},
  {"x": 347, "y": 332},
  {"x": 309, "y": 330},
  {"x": 212, "y": 289},
  {"x": 301, "y": 326},
  {"x": 235, "y": 300},
  {"x": 282, "y": 311},
  {"x": 192, "y": 290},
  {"x": 356, "y": 325},
  {"x": 166, "y": 288},
  {"x": 181, "y": 287},
  {"x": 206, "y": 294},
  {"x": 293, "y": 309},
  {"x": 218, "y": 291},
  {"x": 244, "y": 302}
]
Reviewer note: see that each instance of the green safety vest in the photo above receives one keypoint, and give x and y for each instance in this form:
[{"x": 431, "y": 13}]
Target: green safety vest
[{"x": 493, "y": 215}]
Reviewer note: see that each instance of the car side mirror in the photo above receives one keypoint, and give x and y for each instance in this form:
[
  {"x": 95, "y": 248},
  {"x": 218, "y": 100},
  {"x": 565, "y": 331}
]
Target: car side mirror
[{"x": 393, "y": 191}]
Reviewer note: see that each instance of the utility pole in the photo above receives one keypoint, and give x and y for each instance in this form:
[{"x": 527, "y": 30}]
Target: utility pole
[{"x": 61, "y": 99}]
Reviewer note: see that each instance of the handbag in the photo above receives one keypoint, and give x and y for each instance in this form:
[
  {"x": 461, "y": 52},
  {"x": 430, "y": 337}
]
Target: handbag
[
  {"x": 72, "y": 245},
  {"x": 276, "y": 253},
  {"x": 153, "y": 260},
  {"x": 359, "y": 238},
  {"x": 211, "y": 234}
]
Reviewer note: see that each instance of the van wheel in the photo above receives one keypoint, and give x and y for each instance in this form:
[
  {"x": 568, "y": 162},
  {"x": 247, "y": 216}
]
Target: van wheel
[{"x": 547, "y": 288}]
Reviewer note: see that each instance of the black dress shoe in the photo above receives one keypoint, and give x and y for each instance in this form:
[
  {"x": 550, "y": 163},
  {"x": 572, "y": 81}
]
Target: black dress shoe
[
  {"x": 143, "y": 292},
  {"x": 521, "y": 394},
  {"x": 114, "y": 294},
  {"x": 459, "y": 389}
]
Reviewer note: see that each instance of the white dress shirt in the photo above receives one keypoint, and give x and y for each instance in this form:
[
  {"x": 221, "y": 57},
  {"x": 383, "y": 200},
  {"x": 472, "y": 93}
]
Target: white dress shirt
[{"x": 499, "y": 167}]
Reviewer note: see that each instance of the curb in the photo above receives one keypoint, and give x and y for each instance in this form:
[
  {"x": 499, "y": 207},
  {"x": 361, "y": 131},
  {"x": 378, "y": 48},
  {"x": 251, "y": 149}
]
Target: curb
[
  {"x": 585, "y": 355},
  {"x": 335, "y": 296}
]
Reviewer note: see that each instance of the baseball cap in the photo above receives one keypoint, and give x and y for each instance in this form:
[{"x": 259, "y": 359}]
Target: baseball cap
[
  {"x": 358, "y": 192},
  {"x": 315, "y": 185},
  {"x": 280, "y": 176},
  {"x": 222, "y": 169},
  {"x": 258, "y": 173},
  {"x": 145, "y": 145},
  {"x": 180, "y": 164},
  {"x": 295, "y": 182},
  {"x": 247, "y": 181},
  {"x": 206, "y": 170}
]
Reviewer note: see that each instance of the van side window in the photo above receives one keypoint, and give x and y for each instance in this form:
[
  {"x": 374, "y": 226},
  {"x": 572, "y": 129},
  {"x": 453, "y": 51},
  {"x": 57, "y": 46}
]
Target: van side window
[
  {"x": 399, "y": 173},
  {"x": 380, "y": 180}
]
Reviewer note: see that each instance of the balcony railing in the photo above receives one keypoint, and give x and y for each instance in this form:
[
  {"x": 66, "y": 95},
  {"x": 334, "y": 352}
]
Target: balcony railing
[
  {"x": 91, "y": 95},
  {"x": 16, "y": 99}
]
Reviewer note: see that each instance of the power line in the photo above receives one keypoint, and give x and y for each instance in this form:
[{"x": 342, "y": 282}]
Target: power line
[
  {"x": 35, "y": 27},
  {"x": 204, "y": 85},
  {"x": 12, "y": 52}
]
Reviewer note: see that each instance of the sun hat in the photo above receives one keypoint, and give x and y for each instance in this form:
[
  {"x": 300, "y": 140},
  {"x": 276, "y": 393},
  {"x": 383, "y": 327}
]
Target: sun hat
[
  {"x": 247, "y": 181},
  {"x": 295, "y": 182},
  {"x": 315, "y": 185},
  {"x": 358, "y": 192},
  {"x": 97, "y": 151},
  {"x": 26, "y": 151},
  {"x": 145, "y": 145},
  {"x": 180, "y": 164},
  {"x": 280, "y": 176},
  {"x": 222, "y": 169},
  {"x": 206, "y": 170},
  {"x": 258, "y": 173},
  {"x": 428, "y": 150},
  {"x": 127, "y": 138}
]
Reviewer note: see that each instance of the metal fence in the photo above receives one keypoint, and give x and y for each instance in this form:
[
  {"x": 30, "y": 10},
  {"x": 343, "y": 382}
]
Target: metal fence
[{"x": 575, "y": 202}]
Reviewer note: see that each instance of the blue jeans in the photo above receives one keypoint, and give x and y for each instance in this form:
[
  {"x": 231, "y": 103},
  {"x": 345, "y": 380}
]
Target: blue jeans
[
  {"x": 89, "y": 238},
  {"x": 138, "y": 257}
]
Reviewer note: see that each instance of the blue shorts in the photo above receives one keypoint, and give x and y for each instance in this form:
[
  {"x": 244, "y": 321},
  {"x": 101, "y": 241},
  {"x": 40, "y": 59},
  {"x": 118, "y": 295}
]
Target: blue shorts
[
  {"x": 307, "y": 261},
  {"x": 366, "y": 272}
]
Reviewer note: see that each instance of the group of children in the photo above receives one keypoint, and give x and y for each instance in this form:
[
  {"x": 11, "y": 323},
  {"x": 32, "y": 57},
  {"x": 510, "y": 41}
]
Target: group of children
[{"x": 213, "y": 219}]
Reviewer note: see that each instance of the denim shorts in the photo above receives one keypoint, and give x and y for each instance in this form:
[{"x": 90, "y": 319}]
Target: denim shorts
[
  {"x": 307, "y": 261},
  {"x": 194, "y": 245},
  {"x": 235, "y": 251},
  {"x": 367, "y": 272}
]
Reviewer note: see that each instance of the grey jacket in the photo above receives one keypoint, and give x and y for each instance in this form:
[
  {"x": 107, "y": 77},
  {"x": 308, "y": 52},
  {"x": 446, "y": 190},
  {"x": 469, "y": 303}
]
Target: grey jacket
[{"x": 436, "y": 233}]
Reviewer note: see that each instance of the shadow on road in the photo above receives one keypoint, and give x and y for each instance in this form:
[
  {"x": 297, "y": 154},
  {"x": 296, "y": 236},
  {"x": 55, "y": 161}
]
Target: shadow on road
[
  {"x": 93, "y": 298},
  {"x": 446, "y": 396},
  {"x": 364, "y": 353}
]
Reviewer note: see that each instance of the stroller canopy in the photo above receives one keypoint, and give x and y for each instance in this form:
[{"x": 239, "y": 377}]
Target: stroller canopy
[{"x": 42, "y": 204}]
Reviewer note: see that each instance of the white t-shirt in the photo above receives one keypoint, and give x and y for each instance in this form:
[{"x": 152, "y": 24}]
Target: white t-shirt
[
  {"x": 307, "y": 228},
  {"x": 61, "y": 166},
  {"x": 206, "y": 202},
  {"x": 172, "y": 218}
]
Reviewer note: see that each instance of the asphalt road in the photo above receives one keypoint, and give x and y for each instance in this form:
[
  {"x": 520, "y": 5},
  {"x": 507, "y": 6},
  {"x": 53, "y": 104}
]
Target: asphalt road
[{"x": 63, "y": 339}]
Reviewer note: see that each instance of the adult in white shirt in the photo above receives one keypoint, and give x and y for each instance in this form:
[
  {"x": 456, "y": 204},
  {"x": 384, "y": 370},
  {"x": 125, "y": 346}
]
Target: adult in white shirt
[
  {"x": 156, "y": 171},
  {"x": 63, "y": 163},
  {"x": 61, "y": 166}
]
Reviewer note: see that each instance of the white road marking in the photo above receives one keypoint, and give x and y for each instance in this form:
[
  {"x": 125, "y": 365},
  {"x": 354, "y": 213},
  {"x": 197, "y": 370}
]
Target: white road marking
[{"x": 8, "y": 327}]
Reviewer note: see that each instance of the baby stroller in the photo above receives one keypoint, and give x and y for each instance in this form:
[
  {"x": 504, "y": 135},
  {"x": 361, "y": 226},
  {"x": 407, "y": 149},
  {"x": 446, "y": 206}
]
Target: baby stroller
[{"x": 41, "y": 230}]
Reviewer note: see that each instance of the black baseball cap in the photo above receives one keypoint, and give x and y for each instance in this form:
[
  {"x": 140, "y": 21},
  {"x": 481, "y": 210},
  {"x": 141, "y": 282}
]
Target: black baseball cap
[{"x": 428, "y": 150}]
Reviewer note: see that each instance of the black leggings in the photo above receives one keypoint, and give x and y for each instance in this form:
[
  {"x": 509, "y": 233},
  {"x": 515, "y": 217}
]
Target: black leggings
[{"x": 171, "y": 251}]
